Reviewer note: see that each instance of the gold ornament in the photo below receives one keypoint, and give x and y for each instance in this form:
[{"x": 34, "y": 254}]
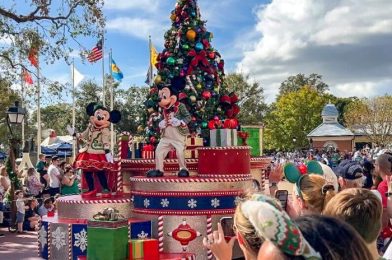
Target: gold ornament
[
  {"x": 158, "y": 79},
  {"x": 199, "y": 86},
  {"x": 191, "y": 35},
  {"x": 193, "y": 99}
]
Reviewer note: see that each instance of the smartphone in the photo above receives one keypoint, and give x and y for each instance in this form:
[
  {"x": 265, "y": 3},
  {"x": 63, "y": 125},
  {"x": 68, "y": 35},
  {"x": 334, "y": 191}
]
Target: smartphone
[
  {"x": 227, "y": 224},
  {"x": 282, "y": 196}
]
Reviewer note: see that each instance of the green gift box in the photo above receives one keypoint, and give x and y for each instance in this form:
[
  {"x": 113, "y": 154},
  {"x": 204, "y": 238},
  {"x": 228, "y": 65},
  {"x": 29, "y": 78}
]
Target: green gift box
[{"x": 107, "y": 240}]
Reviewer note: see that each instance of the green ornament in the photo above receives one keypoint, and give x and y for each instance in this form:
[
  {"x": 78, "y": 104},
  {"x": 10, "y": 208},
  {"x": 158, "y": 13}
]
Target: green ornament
[
  {"x": 185, "y": 47},
  {"x": 171, "y": 61},
  {"x": 204, "y": 124}
]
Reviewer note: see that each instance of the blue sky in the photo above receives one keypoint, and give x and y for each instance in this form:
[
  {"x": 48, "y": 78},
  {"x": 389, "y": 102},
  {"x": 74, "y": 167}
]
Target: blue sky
[{"x": 348, "y": 42}]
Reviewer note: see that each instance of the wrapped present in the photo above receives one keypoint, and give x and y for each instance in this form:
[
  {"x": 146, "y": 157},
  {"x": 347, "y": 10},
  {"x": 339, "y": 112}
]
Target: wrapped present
[
  {"x": 139, "y": 228},
  {"x": 223, "y": 137},
  {"x": 148, "y": 151},
  {"x": 177, "y": 256},
  {"x": 191, "y": 154},
  {"x": 172, "y": 154},
  {"x": 107, "y": 239},
  {"x": 194, "y": 141},
  {"x": 143, "y": 249}
]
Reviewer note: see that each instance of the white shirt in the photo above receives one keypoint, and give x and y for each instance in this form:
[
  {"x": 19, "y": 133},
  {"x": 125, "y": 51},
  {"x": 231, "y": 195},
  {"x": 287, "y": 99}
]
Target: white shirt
[
  {"x": 20, "y": 205},
  {"x": 54, "y": 176}
]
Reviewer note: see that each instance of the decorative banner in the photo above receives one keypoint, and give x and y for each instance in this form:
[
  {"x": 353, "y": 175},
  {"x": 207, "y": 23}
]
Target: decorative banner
[
  {"x": 139, "y": 229},
  {"x": 187, "y": 203},
  {"x": 43, "y": 240},
  {"x": 79, "y": 240}
]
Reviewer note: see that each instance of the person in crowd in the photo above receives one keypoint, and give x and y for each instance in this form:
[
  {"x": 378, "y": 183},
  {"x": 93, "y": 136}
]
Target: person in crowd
[
  {"x": 32, "y": 218},
  {"x": 33, "y": 185},
  {"x": 46, "y": 206},
  {"x": 311, "y": 195},
  {"x": 256, "y": 220},
  {"x": 1, "y": 212},
  {"x": 350, "y": 174},
  {"x": 333, "y": 238},
  {"x": 383, "y": 167},
  {"x": 5, "y": 182},
  {"x": 368, "y": 169},
  {"x": 21, "y": 209},
  {"x": 61, "y": 167},
  {"x": 362, "y": 209},
  {"x": 69, "y": 182},
  {"x": 54, "y": 177},
  {"x": 42, "y": 170}
]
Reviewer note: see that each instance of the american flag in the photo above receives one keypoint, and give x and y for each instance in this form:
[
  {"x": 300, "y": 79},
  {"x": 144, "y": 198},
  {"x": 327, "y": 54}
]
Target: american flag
[{"x": 96, "y": 53}]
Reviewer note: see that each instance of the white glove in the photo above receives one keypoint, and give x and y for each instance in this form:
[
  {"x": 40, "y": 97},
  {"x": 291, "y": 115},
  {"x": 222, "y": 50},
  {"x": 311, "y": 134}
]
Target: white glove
[
  {"x": 162, "y": 124},
  {"x": 109, "y": 157},
  {"x": 71, "y": 130},
  {"x": 175, "y": 122}
]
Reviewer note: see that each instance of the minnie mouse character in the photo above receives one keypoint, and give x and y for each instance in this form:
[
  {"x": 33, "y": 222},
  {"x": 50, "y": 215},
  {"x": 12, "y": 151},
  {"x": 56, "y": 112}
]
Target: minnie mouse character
[
  {"x": 95, "y": 156},
  {"x": 174, "y": 128}
]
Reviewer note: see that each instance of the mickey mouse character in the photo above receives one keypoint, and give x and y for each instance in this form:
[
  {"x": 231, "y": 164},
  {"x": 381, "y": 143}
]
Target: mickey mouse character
[
  {"x": 174, "y": 128},
  {"x": 95, "y": 156}
]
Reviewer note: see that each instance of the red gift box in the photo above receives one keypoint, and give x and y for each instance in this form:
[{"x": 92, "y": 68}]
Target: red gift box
[
  {"x": 148, "y": 152},
  {"x": 177, "y": 256},
  {"x": 143, "y": 249},
  {"x": 172, "y": 154}
]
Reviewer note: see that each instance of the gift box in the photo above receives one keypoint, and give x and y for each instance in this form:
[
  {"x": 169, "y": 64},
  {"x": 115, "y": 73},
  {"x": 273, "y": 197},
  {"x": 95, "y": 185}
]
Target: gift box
[
  {"x": 136, "y": 147},
  {"x": 143, "y": 249},
  {"x": 194, "y": 141},
  {"x": 172, "y": 154},
  {"x": 177, "y": 256},
  {"x": 107, "y": 240},
  {"x": 223, "y": 137},
  {"x": 148, "y": 151},
  {"x": 139, "y": 229},
  {"x": 191, "y": 154}
]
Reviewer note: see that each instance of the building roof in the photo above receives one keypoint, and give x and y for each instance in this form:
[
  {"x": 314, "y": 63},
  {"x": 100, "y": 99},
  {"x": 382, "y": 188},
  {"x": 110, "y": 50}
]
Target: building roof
[
  {"x": 330, "y": 110},
  {"x": 330, "y": 129}
]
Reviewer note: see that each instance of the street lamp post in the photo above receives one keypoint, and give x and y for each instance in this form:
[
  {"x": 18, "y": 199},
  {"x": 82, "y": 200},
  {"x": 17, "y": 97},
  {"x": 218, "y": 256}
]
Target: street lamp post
[{"x": 15, "y": 116}]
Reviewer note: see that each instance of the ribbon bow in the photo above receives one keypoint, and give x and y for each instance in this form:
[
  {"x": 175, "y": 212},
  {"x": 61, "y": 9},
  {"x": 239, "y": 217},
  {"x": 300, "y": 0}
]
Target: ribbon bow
[{"x": 200, "y": 57}]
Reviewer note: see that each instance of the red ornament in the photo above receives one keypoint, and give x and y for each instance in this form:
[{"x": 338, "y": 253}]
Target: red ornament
[
  {"x": 211, "y": 124},
  {"x": 303, "y": 169},
  {"x": 211, "y": 55},
  {"x": 182, "y": 96},
  {"x": 153, "y": 139},
  {"x": 233, "y": 98},
  {"x": 206, "y": 94},
  {"x": 229, "y": 124}
]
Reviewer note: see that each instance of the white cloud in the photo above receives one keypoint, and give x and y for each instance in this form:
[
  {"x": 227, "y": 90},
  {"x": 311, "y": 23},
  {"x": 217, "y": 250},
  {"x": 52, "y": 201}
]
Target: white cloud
[
  {"x": 144, "y": 5},
  {"x": 6, "y": 40},
  {"x": 138, "y": 27},
  {"x": 348, "y": 42}
]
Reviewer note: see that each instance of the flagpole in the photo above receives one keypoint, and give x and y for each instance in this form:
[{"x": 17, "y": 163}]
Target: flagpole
[
  {"x": 38, "y": 109},
  {"x": 111, "y": 102},
  {"x": 73, "y": 108},
  {"x": 103, "y": 69},
  {"x": 151, "y": 68},
  {"x": 22, "y": 103}
]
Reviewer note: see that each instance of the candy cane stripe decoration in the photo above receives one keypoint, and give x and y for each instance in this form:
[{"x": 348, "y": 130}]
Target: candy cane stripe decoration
[
  {"x": 69, "y": 242},
  {"x": 209, "y": 232},
  {"x": 160, "y": 233}
]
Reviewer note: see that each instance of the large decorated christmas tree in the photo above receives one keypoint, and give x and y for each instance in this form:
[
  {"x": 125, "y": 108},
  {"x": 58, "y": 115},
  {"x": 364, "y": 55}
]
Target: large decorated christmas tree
[{"x": 189, "y": 57}]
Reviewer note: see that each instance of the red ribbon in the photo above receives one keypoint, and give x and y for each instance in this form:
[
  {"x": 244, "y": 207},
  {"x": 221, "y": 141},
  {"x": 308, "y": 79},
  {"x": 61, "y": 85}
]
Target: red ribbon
[
  {"x": 148, "y": 147},
  {"x": 201, "y": 58}
]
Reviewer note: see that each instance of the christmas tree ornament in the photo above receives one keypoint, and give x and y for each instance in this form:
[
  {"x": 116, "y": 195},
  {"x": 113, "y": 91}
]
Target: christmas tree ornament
[
  {"x": 206, "y": 94},
  {"x": 193, "y": 99},
  {"x": 204, "y": 124},
  {"x": 191, "y": 35},
  {"x": 185, "y": 47},
  {"x": 171, "y": 61},
  {"x": 182, "y": 96},
  {"x": 199, "y": 86},
  {"x": 199, "y": 46},
  {"x": 153, "y": 140},
  {"x": 211, "y": 124}
]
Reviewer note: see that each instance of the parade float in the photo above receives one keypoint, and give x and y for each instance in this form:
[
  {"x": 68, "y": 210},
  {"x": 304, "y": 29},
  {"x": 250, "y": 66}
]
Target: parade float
[{"x": 152, "y": 209}]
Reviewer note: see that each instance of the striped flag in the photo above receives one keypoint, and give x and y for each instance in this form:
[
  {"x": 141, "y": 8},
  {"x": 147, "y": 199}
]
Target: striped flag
[{"x": 96, "y": 53}]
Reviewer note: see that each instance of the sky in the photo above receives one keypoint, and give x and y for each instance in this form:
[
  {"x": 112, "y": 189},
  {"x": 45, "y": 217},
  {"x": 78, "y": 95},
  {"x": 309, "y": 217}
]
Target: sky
[{"x": 348, "y": 42}]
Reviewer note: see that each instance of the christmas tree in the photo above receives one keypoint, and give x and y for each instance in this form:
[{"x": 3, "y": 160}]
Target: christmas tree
[{"x": 188, "y": 56}]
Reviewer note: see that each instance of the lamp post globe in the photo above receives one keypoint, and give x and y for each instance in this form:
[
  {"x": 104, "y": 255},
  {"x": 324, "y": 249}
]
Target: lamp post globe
[{"x": 15, "y": 114}]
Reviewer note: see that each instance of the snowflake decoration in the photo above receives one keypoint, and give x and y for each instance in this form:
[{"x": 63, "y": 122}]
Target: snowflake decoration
[
  {"x": 58, "y": 238},
  {"x": 81, "y": 240},
  {"x": 142, "y": 235},
  {"x": 192, "y": 203},
  {"x": 43, "y": 236},
  {"x": 165, "y": 203},
  {"x": 215, "y": 203},
  {"x": 146, "y": 203}
]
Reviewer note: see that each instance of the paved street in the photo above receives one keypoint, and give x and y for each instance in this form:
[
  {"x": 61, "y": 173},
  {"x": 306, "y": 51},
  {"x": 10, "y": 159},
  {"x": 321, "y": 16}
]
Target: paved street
[{"x": 18, "y": 246}]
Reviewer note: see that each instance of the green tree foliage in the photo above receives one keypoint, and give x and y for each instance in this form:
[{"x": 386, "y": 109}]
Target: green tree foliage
[
  {"x": 294, "y": 114},
  {"x": 60, "y": 23},
  {"x": 7, "y": 99},
  {"x": 371, "y": 117},
  {"x": 55, "y": 117},
  {"x": 251, "y": 98},
  {"x": 295, "y": 83}
]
